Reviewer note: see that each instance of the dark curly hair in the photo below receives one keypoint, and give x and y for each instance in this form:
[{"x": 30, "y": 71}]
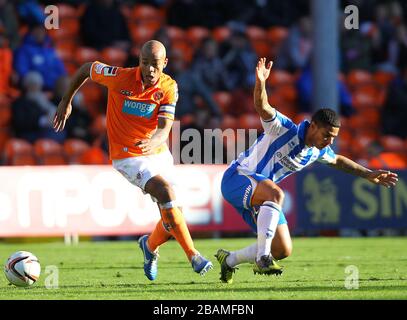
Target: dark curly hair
[{"x": 326, "y": 116}]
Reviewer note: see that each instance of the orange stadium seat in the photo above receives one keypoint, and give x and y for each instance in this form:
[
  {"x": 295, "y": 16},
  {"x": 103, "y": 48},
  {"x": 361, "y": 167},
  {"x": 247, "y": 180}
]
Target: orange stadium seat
[
  {"x": 358, "y": 77},
  {"x": 92, "y": 95},
  {"x": 143, "y": 12},
  {"x": 48, "y": 152},
  {"x": 98, "y": 126},
  {"x": 196, "y": 34},
  {"x": 4, "y": 137},
  {"x": 141, "y": 33},
  {"x": 66, "y": 11},
  {"x": 86, "y": 54},
  {"x": 52, "y": 160},
  {"x": 14, "y": 147},
  {"x": 392, "y": 143},
  {"x": 65, "y": 54},
  {"x": 365, "y": 98},
  {"x": 114, "y": 56},
  {"x": 5, "y": 112},
  {"x": 288, "y": 109},
  {"x": 220, "y": 34},
  {"x": 388, "y": 160},
  {"x": 276, "y": 35},
  {"x": 279, "y": 77},
  {"x": 126, "y": 11},
  {"x": 345, "y": 136},
  {"x": 287, "y": 91},
  {"x": 176, "y": 33},
  {"x": 187, "y": 50},
  {"x": 262, "y": 48},
  {"x": 46, "y": 146},
  {"x": 68, "y": 28},
  {"x": 276, "y": 99},
  {"x": 371, "y": 117},
  {"x": 359, "y": 143},
  {"x": 188, "y": 120},
  {"x": 302, "y": 116},
  {"x": 223, "y": 99},
  {"x": 66, "y": 44},
  {"x": 73, "y": 149},
  {"x": 229, "y": 122},
  {"x": 250, "y": 121},
  {"x": 383, "y": 78},
  {"x": 256, "y": 33},
  {"x": 94, "y": 155},
  {"x": 23, "y": 160},
  {"x": 70, "y": 67}
]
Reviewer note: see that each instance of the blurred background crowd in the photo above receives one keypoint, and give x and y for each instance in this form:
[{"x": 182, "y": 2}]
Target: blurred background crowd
[{"x": 213, "y": 47}]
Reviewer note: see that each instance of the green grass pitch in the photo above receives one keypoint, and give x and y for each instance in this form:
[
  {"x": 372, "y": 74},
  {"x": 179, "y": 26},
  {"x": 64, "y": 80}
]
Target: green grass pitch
[{"x": 316, "y": 270}]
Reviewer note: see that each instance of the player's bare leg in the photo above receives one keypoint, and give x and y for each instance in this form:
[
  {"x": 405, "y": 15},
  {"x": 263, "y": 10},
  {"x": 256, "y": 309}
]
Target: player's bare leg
[
  {"x": 281, "y": 246},
  {"x": 174, "y": 222}
]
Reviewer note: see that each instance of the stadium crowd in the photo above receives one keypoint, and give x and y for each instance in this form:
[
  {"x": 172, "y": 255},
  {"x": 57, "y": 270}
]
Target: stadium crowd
[{"x": 213, "y": 48}]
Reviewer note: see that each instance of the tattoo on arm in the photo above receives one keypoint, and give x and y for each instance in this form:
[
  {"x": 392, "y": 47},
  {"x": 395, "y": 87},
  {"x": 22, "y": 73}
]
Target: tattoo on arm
[{"x": 349, "y": 166}]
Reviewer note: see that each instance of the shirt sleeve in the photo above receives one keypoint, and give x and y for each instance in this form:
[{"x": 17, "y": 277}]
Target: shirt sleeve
[
  {"x": 104, "y": 74},
  {"x": 326, "y": 155},
  {"x": 167, "y": 106},
  {"x": 278, "y": 124}
]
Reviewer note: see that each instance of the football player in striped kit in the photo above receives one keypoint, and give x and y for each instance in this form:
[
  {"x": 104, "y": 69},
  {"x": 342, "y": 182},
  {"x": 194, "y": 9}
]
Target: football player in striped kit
[{"x": 250, "y": 183}]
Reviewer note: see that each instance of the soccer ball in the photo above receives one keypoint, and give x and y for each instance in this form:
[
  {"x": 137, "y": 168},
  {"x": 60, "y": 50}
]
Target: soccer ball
[{"x": 22, "y": 269}]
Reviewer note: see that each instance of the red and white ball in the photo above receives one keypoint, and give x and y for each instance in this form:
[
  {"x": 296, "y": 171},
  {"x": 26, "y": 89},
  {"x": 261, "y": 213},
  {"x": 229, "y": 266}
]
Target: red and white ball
[{"x": 22, "y": 269}]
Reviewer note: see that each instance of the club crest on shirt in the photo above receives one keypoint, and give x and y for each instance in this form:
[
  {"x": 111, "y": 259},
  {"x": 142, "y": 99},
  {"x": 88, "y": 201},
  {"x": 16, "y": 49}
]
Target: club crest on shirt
[
  {"x": 158, "y": 95},
  {"x": 126, "y": 92}
]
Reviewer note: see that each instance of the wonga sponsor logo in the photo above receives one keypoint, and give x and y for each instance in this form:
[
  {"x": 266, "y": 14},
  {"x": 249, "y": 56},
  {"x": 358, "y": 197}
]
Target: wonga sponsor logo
[{"x": 138, "y": 108}]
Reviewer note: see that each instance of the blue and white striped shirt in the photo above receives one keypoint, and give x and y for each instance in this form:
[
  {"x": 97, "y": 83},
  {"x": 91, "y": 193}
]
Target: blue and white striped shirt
[{"x": 281, "y": 150}]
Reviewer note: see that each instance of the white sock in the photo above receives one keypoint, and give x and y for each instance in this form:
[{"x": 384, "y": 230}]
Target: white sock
[
  {"x": 247, "y": 254},
  {"x": 267, "y": 220}
]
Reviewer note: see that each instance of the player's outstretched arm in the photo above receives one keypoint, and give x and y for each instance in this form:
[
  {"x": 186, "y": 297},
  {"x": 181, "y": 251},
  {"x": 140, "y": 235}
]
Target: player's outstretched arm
[
  {"x": 261, "y": 103},
  {"x": 65, "y": 105},
  {"x": 158, "y": 138},
  {"x": 383, "y": 177}
]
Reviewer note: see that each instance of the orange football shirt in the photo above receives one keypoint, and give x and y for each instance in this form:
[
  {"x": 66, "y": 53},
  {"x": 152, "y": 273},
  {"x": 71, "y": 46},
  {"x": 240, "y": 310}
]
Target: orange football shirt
[{"x": 132, "y": 112}]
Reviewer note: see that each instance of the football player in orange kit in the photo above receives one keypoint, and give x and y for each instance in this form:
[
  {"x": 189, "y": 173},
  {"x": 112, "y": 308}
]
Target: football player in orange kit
[{"x": 140, "y": 112}]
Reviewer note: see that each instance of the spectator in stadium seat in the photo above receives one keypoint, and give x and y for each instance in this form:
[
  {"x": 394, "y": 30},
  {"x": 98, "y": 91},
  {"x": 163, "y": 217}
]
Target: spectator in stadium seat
[
  {"x": 30, "y": 11},
  {"x": 384, "y": 39},
  {"x": 32, "y": 112},
  {"x": 36, "y": 53},
  {"x": 6, "y": 64},
  {"x": 394, "y": 115},
  {"x": 238, "y": 57},
  {"x": 191, "y": 87},
  {"x": 9, "y": 23},
  {"x": 209, "y": 66},
  {"x": 103, "y": 25},
  {"x": 80, "y": 122},
  {"x": 304, "y": 87},
  {"x": 296, "y": 50},
  {"x": 356, "y": 47}
]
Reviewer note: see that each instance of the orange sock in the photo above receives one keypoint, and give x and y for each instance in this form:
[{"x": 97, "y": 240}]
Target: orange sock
[
  {"x": 158, "y": 236},
  {"x": 178, "y": 228}
]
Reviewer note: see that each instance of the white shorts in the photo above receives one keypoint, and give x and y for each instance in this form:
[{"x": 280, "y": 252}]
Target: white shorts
[{"x": 138, "y": 170}]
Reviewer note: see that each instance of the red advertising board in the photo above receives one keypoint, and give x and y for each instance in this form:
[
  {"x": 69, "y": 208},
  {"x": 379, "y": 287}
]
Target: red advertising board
[{"x": 97, "y": 200}]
